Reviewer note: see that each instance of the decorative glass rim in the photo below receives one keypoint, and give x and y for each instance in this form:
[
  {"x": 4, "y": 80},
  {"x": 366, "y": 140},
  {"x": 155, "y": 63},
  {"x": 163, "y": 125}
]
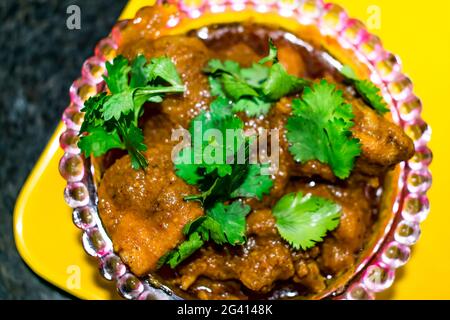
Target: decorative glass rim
[{"x": 411, "y": 205}]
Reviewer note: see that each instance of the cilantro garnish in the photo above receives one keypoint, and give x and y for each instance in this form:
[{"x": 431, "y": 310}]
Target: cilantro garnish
[
  {"x": 221, "y": 224},
  {"x": 304, "y": 220},
  {"x": 273, "y": 54},
  {"x": 369, "y": 92},
  {"x": 253, "y": 90},
  {"x": 280, "y": 83},
  {"x": 319, "y": 129},
  {"x": 99, "y": 140},
  {"x": 231, "y": 219},
  {"x": 184, "y": 250},
  {"x": 222, "y": 180},
  {"x": 214, "y": 167},
  {"x": 111, "y": 120},
  {"x": 210, "y": 156}
]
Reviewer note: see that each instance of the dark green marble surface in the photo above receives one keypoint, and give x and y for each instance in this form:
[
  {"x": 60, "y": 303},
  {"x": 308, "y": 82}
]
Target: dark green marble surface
[{"x": 39, "y": 58}]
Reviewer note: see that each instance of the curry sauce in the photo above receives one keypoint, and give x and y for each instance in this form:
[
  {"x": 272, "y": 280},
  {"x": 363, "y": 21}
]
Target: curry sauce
[{"x": 144, "y": 212}]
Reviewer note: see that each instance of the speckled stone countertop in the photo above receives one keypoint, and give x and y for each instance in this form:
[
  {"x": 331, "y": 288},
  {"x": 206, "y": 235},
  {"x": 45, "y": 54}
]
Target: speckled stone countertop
[{"x": 39, "y": 58}]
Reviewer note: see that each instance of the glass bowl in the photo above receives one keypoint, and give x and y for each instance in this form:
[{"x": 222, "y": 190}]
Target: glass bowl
[{"x": 406, "y": 204}]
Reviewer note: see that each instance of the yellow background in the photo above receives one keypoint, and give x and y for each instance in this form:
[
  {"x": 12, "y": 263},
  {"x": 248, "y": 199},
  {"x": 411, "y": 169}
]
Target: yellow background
[{"x": 419, "y": 32}]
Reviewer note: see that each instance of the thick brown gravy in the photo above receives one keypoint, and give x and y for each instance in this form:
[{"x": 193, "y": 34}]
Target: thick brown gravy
[{"x": 143, "y": 212}]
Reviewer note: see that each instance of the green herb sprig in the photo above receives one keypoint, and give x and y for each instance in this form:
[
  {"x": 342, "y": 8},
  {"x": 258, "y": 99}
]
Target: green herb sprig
[
  {"x": 225, "y": 178},
  {"x": 303, "y": 220},
  {"x": 227, "y": 181},
  {"x": 319, "y": 129},
  {"x": 224, "y": 224},
  {"x": 253, "y": 90},
  {"x": 369, "y": 92},
  {"x": 111, "y": 120}
]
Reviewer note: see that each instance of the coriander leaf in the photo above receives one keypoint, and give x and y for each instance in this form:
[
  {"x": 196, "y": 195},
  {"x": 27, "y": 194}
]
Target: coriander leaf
[
  {"x": 112, "y": 120},
  {"x": 164, "y": 68},
  {"x": 255, "y": 75},
  {"x": 98, "y": 142},
  {"x": 273, "y": 54},
  {"x": 216, "y": 66},
  {"x": 254, "y": 89},
  {"x": 92, "y": 111},
  {"x": 183, "y": 251},
  {"x": 220, "y": 109},
  {"x": 255, "y": 185},
  {"x": 220, "y": 188},
  {"x": 280, "y": 83},
  {"x": 222, "y": 224},
  {"x": 117, "y": 79},
  {"x": 211, "y": 229},
  {"x": 139, "y": 73},
  {"x": 135, "y": 138},
  {"x": 216, "y": 187},
  {"x": 216, "y": 86},
  {"x": 368, "y": 91},
  {"x": 134, "y": 142},
  {"x": 252, "y": 106},
  {"x": 194, "y": 225},
  {"x": 222, "y": 181},
  {"x": 319, "y": 129},
  {"x": 152, "y": 94},
  {"x": 118, "y": 105},
  {"x": 185, "y": 168},
  {"x": 212, "y": 155},
  {"x": 371, "y": 95},
  {"x": 231, "y": 221},
  {"x": 155, "y": 99},
  {"x": 304, "y": 220},
  {"x": 344, "y": 148},
  {"x": 308, "y": 140},
  {"x": 236, "y": 88}
]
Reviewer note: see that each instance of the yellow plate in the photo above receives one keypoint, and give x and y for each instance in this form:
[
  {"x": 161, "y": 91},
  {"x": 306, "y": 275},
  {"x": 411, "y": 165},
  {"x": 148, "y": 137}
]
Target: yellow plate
[{"x": 420, "y": 34}]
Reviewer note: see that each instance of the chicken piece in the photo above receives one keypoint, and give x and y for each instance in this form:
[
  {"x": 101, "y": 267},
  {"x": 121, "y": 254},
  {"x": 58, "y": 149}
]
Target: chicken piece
[
  {"x": 291, "y": 59},
  {"x": 262, "y": 223},
  {"x": 336, "y": 257},
  {"x": 307, "y": 273},
  {"x": 190, "y": 56},
  {"x": 264, "y": 261},
  {"x": 207, "y": 263},
  {"x": 383, "y": 143},
  {"x": 157, "y": 127},
  {"x": 143, "y": 210},
  {"x": 240, "y": 52},
  {"x": 258, "y": 264}
]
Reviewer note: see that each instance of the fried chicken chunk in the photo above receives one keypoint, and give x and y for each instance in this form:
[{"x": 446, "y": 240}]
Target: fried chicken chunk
[
  {"x": 144, "y": 211},
  {"x": 383, "y": 143}
]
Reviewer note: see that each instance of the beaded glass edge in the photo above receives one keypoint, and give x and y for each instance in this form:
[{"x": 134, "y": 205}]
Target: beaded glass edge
[{"x": 411, "y": 206}]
